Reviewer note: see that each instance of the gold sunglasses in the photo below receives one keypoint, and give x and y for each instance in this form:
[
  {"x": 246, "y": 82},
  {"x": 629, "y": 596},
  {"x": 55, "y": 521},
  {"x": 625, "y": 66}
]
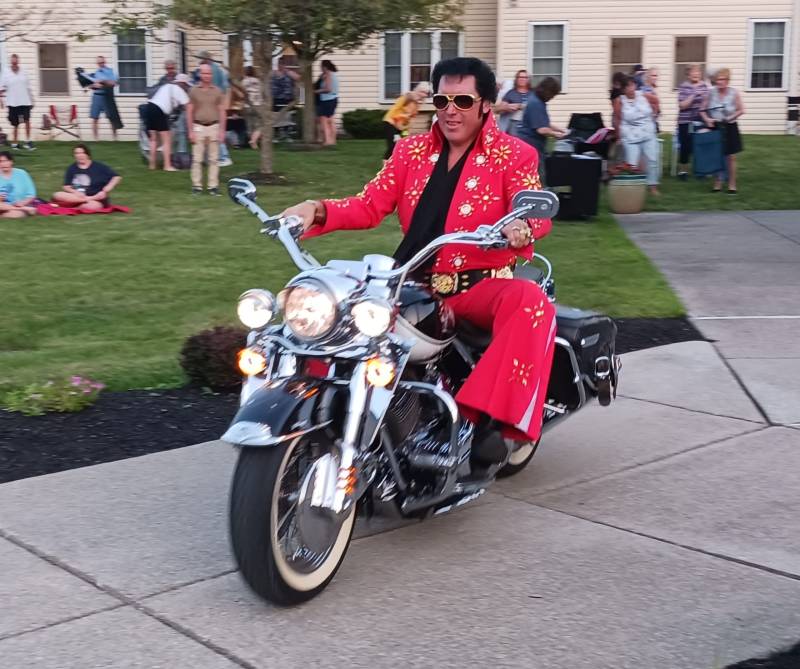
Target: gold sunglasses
[{"x": 462, "y": 101}]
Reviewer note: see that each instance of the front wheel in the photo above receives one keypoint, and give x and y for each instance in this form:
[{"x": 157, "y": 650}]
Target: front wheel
[
  {"x": 286, "y": 554},
  {"x": 519, "y": 459}
]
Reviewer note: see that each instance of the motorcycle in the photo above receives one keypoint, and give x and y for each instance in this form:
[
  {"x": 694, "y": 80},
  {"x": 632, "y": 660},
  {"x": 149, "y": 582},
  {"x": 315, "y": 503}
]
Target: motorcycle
[{"x": 348, "y": 403}]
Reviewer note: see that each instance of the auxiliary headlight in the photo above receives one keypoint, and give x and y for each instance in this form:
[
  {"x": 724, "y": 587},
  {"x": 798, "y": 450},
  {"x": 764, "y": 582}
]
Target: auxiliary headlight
[
  {"x": 373, "y": 317},
  {"x": 309, "y": 310},
  {"x": 256, "y": 308}
]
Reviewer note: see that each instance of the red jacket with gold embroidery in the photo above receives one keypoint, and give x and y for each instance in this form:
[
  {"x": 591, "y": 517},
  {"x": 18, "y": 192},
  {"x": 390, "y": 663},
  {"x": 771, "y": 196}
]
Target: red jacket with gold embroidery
[{"x": 497, "y": 168}]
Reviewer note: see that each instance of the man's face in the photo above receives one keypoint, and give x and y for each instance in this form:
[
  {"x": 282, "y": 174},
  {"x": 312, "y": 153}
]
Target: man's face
[
  {"x": 206, "y": 74},
  {"x": 15, "y": 62},
  {"x": 461, "y": 127},
  {"x": 101, "y": 61},
  {"x": 171, "y": 69}
]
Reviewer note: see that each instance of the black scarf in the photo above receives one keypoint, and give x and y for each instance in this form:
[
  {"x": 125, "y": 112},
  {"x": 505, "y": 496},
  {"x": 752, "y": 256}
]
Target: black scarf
[{"x": 429, "y": 217}]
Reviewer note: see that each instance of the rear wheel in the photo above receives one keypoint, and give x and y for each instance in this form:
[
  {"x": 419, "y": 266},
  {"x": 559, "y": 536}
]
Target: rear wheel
[
  {"x": 519, "y": 459},
  {"x": 287, "y": 552}
]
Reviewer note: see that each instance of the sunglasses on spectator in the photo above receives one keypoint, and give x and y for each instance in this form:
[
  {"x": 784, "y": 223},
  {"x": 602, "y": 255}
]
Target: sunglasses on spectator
[{"x": 462, "y": 101}]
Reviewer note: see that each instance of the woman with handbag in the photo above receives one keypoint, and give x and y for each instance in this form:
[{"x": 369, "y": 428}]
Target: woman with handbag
[{"x": 722, "y": 109}]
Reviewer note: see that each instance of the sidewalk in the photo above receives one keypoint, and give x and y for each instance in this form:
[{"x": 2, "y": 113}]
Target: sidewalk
[{"x": 662, "y": 532}]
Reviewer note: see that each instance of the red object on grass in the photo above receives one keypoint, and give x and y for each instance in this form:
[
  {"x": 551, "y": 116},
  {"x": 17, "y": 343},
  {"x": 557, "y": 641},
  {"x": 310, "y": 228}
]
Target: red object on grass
[{"x": 48, "y": 209}]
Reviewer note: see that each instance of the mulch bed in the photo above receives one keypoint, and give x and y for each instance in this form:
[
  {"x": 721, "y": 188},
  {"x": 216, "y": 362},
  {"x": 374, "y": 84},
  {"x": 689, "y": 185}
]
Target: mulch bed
[{"x": 128, "y": 424}]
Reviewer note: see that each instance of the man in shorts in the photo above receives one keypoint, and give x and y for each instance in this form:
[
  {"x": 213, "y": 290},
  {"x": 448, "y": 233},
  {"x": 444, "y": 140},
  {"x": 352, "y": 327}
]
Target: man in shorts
[
  {"x": 104, "y": 81},
  {"x": 16, "y": 87}
]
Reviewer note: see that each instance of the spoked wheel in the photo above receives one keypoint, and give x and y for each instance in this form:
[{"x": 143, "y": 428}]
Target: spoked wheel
[
  {"x": 519, "y": 459},
  {"x": 287, "y": 551}
]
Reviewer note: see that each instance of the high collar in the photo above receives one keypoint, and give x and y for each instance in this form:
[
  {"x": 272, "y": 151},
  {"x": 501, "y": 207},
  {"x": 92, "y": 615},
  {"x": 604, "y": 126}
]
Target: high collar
[{"x": 487, "y": 135}]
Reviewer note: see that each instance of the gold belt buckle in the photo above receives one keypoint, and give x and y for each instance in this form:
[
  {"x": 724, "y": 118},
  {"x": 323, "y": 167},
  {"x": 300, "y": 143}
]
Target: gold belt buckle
[
  {"x": 503, "y": 273},
  {"x": 444, "y": 283}
]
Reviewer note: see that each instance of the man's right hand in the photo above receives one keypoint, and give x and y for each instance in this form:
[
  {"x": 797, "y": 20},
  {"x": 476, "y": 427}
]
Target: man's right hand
[
  {"x": 307, "y": 211},
  {"x": 192, "y": 137}
]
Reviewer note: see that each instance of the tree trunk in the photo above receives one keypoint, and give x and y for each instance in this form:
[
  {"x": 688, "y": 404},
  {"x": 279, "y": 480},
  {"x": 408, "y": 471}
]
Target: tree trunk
[
  {"x": 263, "y": 52},
  {"x": 309, "y": 109}
]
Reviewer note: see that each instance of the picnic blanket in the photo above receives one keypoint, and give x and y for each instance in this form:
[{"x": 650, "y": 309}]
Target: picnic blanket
[{"x": 49, "y": 209}]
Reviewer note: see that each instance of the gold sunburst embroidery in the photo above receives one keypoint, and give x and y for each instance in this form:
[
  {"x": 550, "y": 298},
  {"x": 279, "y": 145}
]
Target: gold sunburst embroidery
[
  {"x": 486, "y": 198},
  {"x": 521, "y": 372},
  {"x": 536, "y": 314},
  {"x": 500, "y": 154},
  {"x": 417, "y": 150},
  {"x": 529, "y": 181},
  {"x": 472, "y": 183},
  {"x": 465, "y": 209}
]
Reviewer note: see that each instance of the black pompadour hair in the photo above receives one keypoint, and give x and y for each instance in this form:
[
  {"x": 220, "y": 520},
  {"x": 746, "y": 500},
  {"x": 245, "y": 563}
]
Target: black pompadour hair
[{"x": 485, "y": 81}]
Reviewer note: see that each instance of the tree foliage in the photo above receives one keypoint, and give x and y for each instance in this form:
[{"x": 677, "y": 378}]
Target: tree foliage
[{"x": 313, "y": 28}]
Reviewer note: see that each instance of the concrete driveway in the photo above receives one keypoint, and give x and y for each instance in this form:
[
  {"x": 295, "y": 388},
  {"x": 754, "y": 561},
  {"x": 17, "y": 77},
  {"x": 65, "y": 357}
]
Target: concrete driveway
[{"x": 662, "y": 532}]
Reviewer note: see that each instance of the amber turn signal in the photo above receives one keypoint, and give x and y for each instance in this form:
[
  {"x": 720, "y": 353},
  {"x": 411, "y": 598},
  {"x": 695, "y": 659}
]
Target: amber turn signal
[
  {"x": 251, "y": 362},
  {"x": 380, "y": 372}
]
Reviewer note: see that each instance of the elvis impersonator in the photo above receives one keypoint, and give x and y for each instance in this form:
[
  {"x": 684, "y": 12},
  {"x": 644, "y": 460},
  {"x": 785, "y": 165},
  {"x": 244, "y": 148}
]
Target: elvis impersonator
[{"x": 462, "y": 174}]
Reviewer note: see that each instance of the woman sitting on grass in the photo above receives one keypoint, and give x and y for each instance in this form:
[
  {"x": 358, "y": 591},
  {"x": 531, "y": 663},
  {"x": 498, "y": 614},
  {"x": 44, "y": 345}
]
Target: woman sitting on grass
[
  {"x": 17, "y": 191},
  {"x": 87, "y": 183}
]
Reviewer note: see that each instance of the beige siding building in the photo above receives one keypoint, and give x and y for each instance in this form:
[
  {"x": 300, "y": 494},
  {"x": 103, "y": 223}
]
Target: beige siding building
[{"x": 581, "y": 42}]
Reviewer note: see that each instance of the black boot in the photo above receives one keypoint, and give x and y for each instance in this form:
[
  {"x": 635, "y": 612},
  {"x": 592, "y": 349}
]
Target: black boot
[{"x": 488, "y": 445}]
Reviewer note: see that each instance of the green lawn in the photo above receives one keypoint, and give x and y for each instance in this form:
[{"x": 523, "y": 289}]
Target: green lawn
[
  {"x": 768, "y": 179},
  {"x": 114, "y": 297}
]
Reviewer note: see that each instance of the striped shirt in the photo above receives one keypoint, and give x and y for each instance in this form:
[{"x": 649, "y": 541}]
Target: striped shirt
[{"x": 686, "y": 90}]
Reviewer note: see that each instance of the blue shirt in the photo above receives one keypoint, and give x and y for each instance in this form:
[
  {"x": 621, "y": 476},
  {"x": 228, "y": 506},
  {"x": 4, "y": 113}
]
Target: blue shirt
[
  {"x": 535, "y": 117},
  {"x": 104, "y": 74},
  {"x": 19, "y": 186},
  {"x": 334, "y": 92}
]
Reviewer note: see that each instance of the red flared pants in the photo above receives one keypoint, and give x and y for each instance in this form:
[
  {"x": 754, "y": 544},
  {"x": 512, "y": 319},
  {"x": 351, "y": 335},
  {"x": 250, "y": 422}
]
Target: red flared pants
[{"x": 509, "y": 383}]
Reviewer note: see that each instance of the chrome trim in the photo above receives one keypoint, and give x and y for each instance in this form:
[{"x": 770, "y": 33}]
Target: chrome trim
[
  {"x": 577, "y": 379},
  {"x": 249, "y": 433}
]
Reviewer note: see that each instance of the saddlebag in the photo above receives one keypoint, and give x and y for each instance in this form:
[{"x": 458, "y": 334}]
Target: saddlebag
[{"x": 591, "y": 336}]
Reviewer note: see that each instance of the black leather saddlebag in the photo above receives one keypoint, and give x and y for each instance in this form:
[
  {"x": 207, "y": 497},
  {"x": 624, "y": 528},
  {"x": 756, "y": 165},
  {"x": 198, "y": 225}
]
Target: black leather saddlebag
[{"x": 592, "y": 337}]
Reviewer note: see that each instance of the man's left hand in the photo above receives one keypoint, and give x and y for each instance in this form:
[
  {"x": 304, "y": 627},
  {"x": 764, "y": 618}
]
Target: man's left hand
[{"x": 518, "y": 233}]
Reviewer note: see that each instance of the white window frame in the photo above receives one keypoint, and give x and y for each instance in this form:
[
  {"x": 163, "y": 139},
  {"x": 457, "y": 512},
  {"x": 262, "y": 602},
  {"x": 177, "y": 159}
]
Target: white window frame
[
  {"x": 787, "y": 54},
  {"x": 405, "y": 57},
  {"x": 148, "y": 67},
  {"x": 68, "y": 92},
  {"x": 564, "y": 55}
]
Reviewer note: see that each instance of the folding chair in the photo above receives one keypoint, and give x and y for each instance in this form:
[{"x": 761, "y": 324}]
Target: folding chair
[{"x": 62, "y": 120}]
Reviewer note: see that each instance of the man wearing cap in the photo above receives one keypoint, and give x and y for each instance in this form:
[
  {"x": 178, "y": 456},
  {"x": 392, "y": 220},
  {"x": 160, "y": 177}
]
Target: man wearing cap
[
  {"x": 166, "y": 100},
  {"x": 103, "y": 97},
  {"x": 205, "y": 118}
]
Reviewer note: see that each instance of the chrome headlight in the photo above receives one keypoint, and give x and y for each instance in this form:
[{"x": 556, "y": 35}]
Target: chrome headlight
[
  {"x": 256, "y": 308},
  {"x": 373, "y": 317},
  {"x": 309, "y": 310}
]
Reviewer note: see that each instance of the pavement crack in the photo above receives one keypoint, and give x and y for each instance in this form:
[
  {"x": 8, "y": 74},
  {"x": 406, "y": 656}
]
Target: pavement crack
[
  {"x": 766, "y": 227},
  {"x": 742, "y": 385},
  {"x": 638, "y": 465},
  {"x": 61, "y": 621},
  {"x": 700, "y": 411},
  {"x": 125, "y": 600},
  {"x": 186, "y": 584},
  {"x": 676, "y": 544}
]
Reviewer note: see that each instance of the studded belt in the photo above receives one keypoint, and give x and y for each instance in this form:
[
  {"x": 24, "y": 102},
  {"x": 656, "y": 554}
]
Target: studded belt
[{"x": 452, "y": 283}]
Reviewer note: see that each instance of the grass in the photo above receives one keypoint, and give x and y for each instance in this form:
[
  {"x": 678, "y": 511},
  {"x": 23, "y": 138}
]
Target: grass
[
  {"x": 114, "y": 297},
  {"x": 767, "y": 179}
]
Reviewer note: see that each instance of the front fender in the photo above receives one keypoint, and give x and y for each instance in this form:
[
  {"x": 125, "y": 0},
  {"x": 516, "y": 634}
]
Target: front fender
[{"x": 280, "y": 410}]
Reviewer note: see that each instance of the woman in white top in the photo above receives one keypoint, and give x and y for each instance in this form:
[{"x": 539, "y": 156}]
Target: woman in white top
[
  {"x": 723, "y": 106},
  {"x": 638, "y": 130},
  {"x": 164, "y": 102}
]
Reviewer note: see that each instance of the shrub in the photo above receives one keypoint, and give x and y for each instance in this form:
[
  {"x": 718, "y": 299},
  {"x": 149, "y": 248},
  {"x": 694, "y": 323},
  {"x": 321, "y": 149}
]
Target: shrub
[
  {"x": 62, "y": 395},
  {"x": 364, "y": 123},
  {"x": 209, "y": 358}
]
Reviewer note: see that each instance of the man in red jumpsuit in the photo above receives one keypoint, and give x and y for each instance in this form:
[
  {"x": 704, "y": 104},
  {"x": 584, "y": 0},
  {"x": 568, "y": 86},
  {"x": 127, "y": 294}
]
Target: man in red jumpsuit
[{"x": 462, "y": 174}]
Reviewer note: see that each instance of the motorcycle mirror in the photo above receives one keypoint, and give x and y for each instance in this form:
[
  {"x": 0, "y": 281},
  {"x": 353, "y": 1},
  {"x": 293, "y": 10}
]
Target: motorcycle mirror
[
  {"x": 540, "y": 203},
  {"x": 237, "y": 187}
]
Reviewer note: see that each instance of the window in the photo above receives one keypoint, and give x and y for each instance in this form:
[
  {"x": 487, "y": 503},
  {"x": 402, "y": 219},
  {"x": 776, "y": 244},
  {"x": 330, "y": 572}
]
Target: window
[
  {"x": 183, "y": 51},
  {"x": 625, "y": 53},
  {"x": 132, "y": 62},
  {"x": 53, "y": 69},
  {"x": 547, "y": 52},
  {"x": 689, "y": 50},
  {"x": 767, "y": 54},
  {"x": 408, "y": 58}
]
